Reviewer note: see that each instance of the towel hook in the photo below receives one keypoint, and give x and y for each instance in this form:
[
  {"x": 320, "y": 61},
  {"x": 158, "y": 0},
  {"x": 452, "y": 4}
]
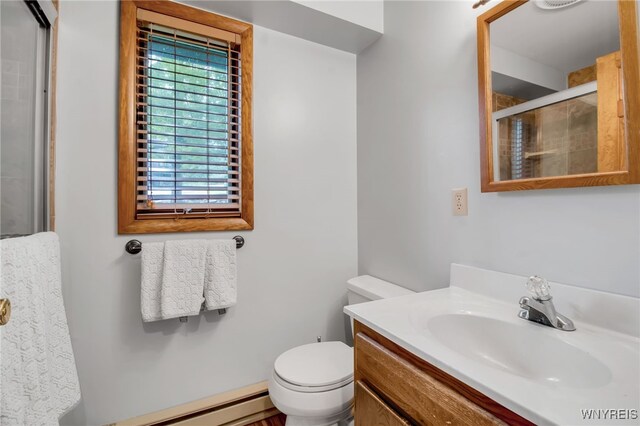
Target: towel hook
[{"x": 135, "y": 246}]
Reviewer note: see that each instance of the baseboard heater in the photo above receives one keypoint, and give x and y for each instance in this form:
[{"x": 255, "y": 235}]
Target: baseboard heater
[{"x": 238, "y": 407}]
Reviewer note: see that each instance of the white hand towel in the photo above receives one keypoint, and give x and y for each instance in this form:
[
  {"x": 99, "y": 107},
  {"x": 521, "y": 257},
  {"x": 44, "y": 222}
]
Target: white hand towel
[
  {"x": 151, "y": 283},
  {"x": 183, "y": 278},
  {"x": 39, "y": 377},
  {"x": 220, "y": 276}
]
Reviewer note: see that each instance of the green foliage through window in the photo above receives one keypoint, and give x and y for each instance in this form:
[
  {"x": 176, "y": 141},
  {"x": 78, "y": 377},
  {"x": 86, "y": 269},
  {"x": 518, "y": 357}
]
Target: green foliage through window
[{"x": 188, "y": 110}]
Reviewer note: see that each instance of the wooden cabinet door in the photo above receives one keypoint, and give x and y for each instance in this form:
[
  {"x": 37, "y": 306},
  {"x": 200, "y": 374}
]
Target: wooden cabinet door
[
  {"x": 370, "y": 410},
  {"x": 612, "y": 147},
  {"x": 424, "y": 399}
]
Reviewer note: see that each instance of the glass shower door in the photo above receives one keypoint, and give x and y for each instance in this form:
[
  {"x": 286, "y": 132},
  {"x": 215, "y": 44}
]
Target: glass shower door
[{"x": 23, "y": 120}]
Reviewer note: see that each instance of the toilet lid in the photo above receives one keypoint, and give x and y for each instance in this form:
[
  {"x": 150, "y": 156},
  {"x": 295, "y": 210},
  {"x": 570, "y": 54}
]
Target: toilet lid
[{"x": 316, "y": 364}]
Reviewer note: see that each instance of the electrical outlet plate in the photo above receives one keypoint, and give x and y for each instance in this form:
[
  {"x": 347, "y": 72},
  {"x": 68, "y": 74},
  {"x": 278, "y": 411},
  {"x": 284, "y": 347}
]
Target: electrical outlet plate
[{"x": 459, "y": 202}]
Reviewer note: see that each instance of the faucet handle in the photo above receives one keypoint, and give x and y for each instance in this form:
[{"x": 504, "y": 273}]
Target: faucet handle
[{"x": 539, "y": 288}]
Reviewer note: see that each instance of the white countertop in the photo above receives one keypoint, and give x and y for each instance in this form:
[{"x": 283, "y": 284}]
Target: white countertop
[{"x": 614, "y": 384}]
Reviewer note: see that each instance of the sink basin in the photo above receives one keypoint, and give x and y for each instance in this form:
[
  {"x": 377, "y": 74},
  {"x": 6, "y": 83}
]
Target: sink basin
[{"x": 509, "y": 347}]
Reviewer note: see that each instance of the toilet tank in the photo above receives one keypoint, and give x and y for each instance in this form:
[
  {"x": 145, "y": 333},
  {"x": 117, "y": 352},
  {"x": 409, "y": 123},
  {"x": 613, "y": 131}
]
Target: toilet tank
[{"x": 366, "y": 288}]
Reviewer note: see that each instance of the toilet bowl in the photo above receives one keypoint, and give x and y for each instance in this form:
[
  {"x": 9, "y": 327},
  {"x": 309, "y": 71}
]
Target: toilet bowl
[{"x": 313, "y": 384}]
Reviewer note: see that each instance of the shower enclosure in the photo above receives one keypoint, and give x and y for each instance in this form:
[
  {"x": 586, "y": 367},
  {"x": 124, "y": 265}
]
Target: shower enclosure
[{"x": 24, "y": 116}]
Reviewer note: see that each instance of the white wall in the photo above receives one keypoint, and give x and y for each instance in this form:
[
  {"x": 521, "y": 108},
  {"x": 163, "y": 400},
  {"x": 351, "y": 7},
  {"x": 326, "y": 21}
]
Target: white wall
[
  {"x": 509, "y": 63},
  {"x": 367, "y": 13},
  {"x": 292, "y": 270},
  {"x": 344, "y": 25},
  {"x": 418, "y": 138}
]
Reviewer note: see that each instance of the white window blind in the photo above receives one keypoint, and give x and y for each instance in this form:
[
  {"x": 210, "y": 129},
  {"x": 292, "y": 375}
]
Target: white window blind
[{"x": 188, "y": 124}]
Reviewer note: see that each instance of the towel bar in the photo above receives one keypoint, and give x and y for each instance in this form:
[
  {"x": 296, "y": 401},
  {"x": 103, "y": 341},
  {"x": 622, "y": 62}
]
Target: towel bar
[{"x": 135, "y": 246}]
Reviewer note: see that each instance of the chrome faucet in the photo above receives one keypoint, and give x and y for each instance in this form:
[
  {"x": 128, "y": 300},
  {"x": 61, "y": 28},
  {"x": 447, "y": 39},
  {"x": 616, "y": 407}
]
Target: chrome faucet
[{"x": 539, "y": 307}]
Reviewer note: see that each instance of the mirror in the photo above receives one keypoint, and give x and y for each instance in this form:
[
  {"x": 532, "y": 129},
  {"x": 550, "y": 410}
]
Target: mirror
[{"x": 558, "y": 83}]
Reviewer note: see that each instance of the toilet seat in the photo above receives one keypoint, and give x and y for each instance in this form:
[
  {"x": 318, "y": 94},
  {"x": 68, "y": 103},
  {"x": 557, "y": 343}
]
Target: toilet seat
[
  {"x": 316, "y": 367},
  {"x": 312, "y": 408},
  {"x": 297, "y": 388}
]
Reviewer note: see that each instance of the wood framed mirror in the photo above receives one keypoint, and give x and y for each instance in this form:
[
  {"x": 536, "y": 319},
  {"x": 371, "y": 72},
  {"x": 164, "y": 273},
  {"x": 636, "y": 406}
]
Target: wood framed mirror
[{"x": 559, "y": 94}]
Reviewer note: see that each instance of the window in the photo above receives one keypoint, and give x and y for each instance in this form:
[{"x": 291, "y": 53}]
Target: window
[{"x": 185, "y": 151}]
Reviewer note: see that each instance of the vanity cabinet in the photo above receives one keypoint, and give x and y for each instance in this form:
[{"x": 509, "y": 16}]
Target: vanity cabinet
[
  {"x": 372, "y": 410},
  {"x": 395, "y": 387}
]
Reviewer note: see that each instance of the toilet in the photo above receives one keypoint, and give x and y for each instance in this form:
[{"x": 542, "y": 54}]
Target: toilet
[{"x": 313, "y": 384}]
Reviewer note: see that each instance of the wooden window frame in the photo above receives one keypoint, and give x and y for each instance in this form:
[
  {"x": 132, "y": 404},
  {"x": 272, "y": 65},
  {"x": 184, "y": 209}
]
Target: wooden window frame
[{"x": 127, "y": 221}]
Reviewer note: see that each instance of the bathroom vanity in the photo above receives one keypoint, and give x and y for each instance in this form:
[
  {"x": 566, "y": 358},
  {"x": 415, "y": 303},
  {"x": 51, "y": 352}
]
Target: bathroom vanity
[
  {"x": 391, "y": 380},
  {"x": 461, "y": 355}
]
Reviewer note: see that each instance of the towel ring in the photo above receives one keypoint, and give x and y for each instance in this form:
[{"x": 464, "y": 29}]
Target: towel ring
[{"x": 135, "y": 246}]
